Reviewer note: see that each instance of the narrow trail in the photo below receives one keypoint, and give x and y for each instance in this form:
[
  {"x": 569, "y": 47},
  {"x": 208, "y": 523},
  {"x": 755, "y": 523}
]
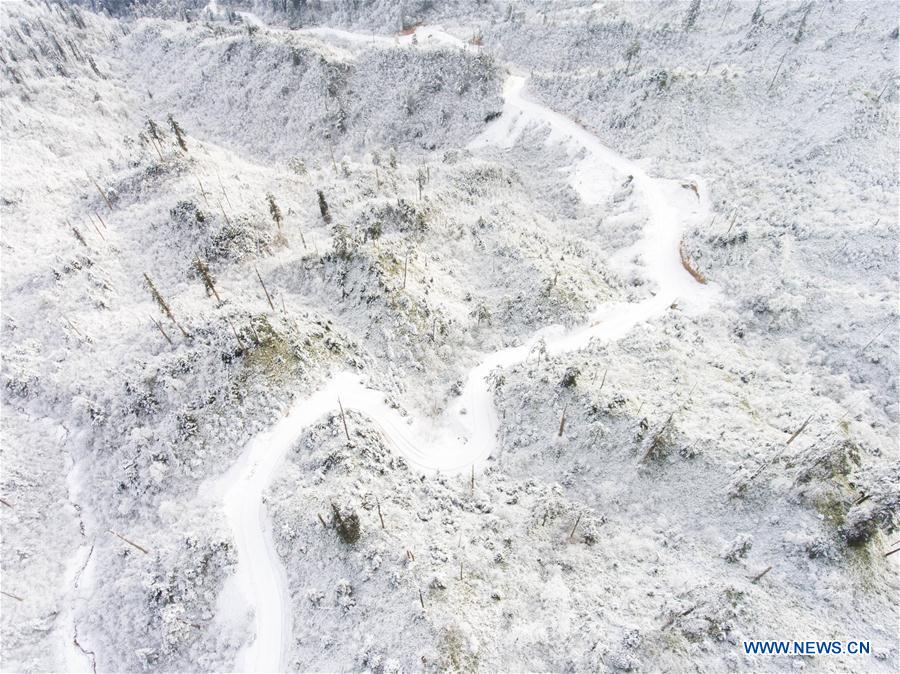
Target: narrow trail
[
  {"x": 79, "y": 579},
  {"x": 465, "y": 435}
]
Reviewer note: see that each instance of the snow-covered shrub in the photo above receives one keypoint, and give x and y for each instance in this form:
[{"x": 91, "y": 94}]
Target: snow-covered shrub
[{"x": 346, "y": 523}]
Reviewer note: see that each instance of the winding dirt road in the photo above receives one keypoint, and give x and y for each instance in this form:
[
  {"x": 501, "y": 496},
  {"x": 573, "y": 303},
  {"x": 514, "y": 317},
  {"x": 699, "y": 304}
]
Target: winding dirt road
[{"x": 454, "y": 442}]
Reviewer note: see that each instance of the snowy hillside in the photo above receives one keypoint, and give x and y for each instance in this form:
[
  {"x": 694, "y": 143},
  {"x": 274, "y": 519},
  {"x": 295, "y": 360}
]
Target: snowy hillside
[{"x": 448, "y": 336}]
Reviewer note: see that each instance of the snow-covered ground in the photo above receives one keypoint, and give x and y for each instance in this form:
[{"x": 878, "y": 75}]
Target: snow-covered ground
[{"x": 447, "y": 337}]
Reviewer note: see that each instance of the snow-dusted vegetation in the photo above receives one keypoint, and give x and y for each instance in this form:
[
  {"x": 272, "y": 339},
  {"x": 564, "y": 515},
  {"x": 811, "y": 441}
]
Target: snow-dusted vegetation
[{"x": 448, "y": 336}]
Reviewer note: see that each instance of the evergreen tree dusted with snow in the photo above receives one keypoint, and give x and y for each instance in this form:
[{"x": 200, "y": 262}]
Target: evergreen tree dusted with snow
[
  {"x": 631, "y": 53},
  {"x": 343, "y": 241},
  {"x": 691, "y": 17},
  {"x": 156, "y": 136},
  {"x": 179, "y": 133},
  {"x": 163, "y": 305},
  {"x": 757, "y": 14},
  {"x": 154, "y": 131},
  {"x": 274, "y": 210},
  {"x": 323, "y": 207}
]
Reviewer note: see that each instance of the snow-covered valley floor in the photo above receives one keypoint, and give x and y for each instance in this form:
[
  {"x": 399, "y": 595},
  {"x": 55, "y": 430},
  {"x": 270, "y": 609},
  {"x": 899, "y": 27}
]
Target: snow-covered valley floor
[{"x": 389, "y": 363}]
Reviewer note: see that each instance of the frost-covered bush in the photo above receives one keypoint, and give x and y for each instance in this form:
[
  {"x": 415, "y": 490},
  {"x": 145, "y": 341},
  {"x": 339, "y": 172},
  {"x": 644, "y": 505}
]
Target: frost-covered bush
[
  {"x": 737, "y": 549},
  {"x": 346, "y": 523}
]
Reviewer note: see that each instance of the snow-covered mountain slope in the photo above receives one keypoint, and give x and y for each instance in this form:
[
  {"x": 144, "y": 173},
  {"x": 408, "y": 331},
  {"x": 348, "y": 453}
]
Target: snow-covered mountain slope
[{"x": 447, "y": 336}]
